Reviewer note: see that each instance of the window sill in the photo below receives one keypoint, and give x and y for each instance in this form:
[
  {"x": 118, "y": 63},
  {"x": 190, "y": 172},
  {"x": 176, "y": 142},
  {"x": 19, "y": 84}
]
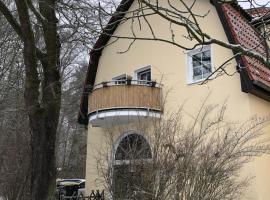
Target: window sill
[{"x": 196, "y": 82}]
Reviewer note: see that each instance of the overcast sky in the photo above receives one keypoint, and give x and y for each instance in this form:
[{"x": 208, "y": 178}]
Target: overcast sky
[{"x": 261, "y": 2}]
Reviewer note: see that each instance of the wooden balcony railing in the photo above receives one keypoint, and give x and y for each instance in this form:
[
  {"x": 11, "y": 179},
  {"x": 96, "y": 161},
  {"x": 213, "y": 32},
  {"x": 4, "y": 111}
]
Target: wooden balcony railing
[{"x": 124, "y": 94}]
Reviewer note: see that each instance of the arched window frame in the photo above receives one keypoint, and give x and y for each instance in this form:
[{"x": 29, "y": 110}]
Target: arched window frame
[
  {"x": 117, "y": 143},
  {"x": 115, "y": 162}
]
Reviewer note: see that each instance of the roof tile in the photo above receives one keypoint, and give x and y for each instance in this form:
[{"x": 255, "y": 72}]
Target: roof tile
[
  {"x": 258, "y": 12},
  {"x": 245, "y": 34}
]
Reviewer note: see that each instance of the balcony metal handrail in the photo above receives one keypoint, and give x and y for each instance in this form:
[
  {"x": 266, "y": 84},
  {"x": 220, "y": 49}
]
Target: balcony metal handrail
[{"x": 127, "y": 82}]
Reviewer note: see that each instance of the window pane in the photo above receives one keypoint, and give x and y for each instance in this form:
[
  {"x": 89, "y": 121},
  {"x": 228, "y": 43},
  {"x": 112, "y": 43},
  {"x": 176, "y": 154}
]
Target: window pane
[
  {"x": 197, "y": 56},
  {"x": 145, "y": 75},
  {"x": 121, "y": 80},
  {"x": 197, "y": 71},
  {"x": 133, "y": 146},
  {"x": 206, "y": 68},
  {"x": 129, "y": 183},
  {"x": 196, "y": 63},
  {"x": 206, "y": 56},
  {"x": 196, "y": 59}
]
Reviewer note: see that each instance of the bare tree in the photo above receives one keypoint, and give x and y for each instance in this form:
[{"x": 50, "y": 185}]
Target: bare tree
[
  {"x": 14, "y": 134},
  {"x": 42, "y": 101},
  {"x": 71, "y": 152},
  {"x": 43, "y": 44},
  {"x": 168, "y": 159},
  {"x": 15, "y": 157}
]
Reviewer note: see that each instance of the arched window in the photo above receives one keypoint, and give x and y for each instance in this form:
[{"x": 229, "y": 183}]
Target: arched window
[{"x": 131, "y": 167}]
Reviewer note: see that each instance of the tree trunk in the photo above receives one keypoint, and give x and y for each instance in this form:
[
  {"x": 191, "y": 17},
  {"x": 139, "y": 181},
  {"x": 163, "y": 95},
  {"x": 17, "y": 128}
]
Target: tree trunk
[{"x": 43, "y": 114}]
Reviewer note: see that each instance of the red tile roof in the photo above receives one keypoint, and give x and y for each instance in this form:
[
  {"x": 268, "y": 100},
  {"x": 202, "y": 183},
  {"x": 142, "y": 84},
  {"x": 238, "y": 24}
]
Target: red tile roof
[
  {"x": 245, "y": 34},
  {"x": 258, "y": 12}
]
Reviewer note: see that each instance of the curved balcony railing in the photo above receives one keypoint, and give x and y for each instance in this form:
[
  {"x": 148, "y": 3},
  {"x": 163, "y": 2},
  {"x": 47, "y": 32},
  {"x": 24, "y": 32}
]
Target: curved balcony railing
[{"x": 125, "y": 94}]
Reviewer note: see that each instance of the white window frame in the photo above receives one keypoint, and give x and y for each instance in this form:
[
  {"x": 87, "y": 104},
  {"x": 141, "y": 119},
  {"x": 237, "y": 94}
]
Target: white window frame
[
  {"x": 113, "y": 162},
  {"x": 190, "y": 53},
  {"x": 136, "y": 72},
  {"x": 118, "y": 77}
]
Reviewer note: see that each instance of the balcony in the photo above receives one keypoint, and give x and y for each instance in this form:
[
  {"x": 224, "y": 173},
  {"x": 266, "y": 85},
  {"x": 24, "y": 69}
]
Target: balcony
[{"x": 122, "y": 102}]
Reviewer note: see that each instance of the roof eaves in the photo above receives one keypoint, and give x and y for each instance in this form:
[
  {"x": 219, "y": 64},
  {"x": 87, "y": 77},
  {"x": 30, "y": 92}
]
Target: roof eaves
[
  {"x": 95, "y": 54},
  {"x": 250, "y": 83},
  {"x": 264, "y": 15}
]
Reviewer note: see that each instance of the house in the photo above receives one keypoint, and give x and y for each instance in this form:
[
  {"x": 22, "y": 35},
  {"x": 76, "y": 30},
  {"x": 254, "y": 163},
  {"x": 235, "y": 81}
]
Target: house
[{"x": 112, "y": 98}]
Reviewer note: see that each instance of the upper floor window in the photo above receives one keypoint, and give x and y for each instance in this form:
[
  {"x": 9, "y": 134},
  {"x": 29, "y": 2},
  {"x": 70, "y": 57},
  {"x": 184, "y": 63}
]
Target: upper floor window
[
  {"x": 199, "y": 64},
  {"x": 119, "y": 80},
  {"x": 143, "y": 75}
]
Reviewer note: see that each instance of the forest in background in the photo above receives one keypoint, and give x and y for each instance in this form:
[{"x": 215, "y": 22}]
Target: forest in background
[{"x": 79, "y": 24}]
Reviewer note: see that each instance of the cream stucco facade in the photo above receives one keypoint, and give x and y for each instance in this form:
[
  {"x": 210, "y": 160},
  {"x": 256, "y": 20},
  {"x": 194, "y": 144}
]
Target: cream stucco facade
[{"x": 169, "y": 66}]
